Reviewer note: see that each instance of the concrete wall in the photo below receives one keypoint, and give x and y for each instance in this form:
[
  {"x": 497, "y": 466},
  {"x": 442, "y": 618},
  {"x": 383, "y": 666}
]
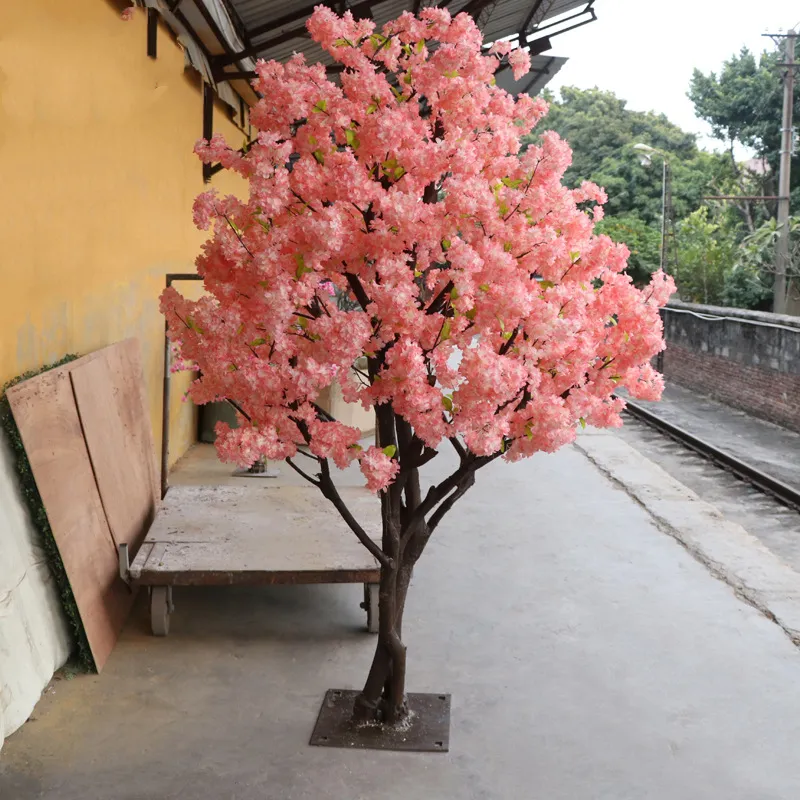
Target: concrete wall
[
  {"x": 98, "y": 180},
  {"x": 748, "y": 359}
]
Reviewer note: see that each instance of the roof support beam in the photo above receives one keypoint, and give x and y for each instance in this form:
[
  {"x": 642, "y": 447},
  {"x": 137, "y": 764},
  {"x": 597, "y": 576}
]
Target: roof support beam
[
  {"x": 523, "y": 39},
  {"x": 212, "y": 23},
  {"x": 588, "y": 9}
]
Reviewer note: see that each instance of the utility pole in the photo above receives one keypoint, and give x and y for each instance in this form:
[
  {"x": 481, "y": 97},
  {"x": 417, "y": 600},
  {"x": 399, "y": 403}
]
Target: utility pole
[{"x": 782, "y": 264}]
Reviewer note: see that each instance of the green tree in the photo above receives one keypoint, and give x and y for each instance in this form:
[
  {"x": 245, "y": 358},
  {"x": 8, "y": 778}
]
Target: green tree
[
  {"x": 706, "y": 254},
  {"x": 602, "y": 131},
  {"x": 643, "y": 240},
  {"x": 743, "y": 105}
]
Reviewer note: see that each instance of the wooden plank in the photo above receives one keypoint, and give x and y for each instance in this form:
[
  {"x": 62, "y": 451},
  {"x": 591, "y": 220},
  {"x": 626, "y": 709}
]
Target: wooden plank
[
  {"x": 259, "y": 534},
  {"x": 173, "y": 571},
  {"x": 47, "y": 417},
  {"x": 109, "y": 391},
  {"x": 141, "y": 559}
]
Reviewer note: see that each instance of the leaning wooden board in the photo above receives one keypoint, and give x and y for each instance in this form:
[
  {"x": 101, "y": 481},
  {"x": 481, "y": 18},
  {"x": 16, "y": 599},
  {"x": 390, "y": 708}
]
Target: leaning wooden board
[
  {"x": 254, "y": 534},
  {"x": 87, "y": 437},
  {"x": 47, "y": 417},
  {"x": 109, "y": 392}
]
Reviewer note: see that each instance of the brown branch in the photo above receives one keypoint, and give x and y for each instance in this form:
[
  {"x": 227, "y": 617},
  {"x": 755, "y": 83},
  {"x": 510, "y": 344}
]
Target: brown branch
[
  {"x": 321, "y": 412},
  {"x": 450, "y": 501},
  {"x": 238, "y": 236},
  {"x": 301, "y": 472},
  {"x": 238, "y": 408},
  {"x": 357, "y": 289},
  {"x": 437, "y": 493},
  {"x": 438, "y": 302},
  {"x": 458, "y": 447},
  {"x": 329, "y": 490},
  {"x": 506, "y": 346}
]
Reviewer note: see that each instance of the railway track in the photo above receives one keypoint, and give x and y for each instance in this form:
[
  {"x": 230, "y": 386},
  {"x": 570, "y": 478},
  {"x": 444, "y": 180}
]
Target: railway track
[{"x": 785, "y": 494}]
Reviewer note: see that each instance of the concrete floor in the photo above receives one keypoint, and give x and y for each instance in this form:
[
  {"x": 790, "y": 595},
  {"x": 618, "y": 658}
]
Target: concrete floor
[{"x": 589, "y": 655}]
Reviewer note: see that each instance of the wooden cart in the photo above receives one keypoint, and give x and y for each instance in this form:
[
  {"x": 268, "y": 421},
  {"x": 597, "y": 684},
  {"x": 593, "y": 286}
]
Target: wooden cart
[{"x": 252, "y": 534}]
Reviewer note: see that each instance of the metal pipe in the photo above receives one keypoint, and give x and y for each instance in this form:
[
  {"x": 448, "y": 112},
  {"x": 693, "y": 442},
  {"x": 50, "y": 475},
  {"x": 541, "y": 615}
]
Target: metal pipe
[
  {"x": 177, "y": 276},
  {"x": 664, "y": 215},
  {"x": 782, "y": 262}
]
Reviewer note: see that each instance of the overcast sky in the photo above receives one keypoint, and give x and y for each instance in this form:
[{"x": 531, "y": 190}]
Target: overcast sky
[{"x": 645, "y": 50}]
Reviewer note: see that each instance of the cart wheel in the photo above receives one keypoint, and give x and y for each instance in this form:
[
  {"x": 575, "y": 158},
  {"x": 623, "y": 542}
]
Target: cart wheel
[
  {"x": 371, "y": 605},
  {"x": 160, "y": 609}
]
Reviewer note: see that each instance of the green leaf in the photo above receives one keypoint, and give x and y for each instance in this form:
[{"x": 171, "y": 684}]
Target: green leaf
[
  {"x": 484, "y": 287},
  {"x": 419, "y": 46},
  {"x": 626, "y": 336},
  {"x": 446, "y": 244},
  {"x": 258, "y": 342},
  {"x": 417, "y": 273},
  {"x": 471, "y": 314},
  {"x": 372, "y": 108},
  {"x": 390, "y": 450},
  {"x": 407, "y": 78},
  {"x": 582, "y": 422},
  {"x": 503, "y": 446},
  {"x": 321, "y": 106},
  {"x": 574, "y": 256},
  {"x": 264, "y": 284},
  {"x": 512, "y": 183},
  {"x": 453, "y": 73},
  {"x": 399, "y": 172},
  {"x": 507, "y": 335},
  {"x": 445, "y": 330},
  {"x": 192, "y": 325},
  {"x": 507, "y": 247},
  {"x": 454, "y": 295},
  {"x": 351, "y": 138},
  {"x": 546, "y": 284},
  {"x": 447, "y": 402},
  {"x": 302, "y": 269},
  {"x": 342, "y": 43},
  {"x": 528, "y": 431},
  {"x": 357, "y": 447},
  {"x": 320, "y": 156}
]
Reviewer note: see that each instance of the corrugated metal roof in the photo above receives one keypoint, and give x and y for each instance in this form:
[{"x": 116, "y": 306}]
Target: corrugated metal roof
[
  {"x": 243, "y": 30},
  {"x": 499, "y": 19},
  {"x": 542, "y": 70}
]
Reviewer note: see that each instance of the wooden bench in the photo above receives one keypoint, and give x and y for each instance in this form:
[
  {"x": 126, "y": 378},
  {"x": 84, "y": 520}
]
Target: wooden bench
[{"x": 253, "y": 534}]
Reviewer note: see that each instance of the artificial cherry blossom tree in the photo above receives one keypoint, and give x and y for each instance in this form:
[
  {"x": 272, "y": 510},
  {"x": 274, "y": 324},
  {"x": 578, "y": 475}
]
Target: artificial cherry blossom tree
[{"x": 492, "y": 318}]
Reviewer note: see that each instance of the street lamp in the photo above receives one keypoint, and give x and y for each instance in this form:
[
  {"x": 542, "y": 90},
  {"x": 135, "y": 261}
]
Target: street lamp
[{"x": 646, "y": 159}]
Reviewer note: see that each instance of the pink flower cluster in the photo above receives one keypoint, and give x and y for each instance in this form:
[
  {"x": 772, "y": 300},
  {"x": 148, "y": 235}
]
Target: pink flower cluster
[{"x": 489, "y": 308}]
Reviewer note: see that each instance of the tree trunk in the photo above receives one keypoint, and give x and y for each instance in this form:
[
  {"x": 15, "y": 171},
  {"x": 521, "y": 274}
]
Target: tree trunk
[{"x": 383, "y": 696}]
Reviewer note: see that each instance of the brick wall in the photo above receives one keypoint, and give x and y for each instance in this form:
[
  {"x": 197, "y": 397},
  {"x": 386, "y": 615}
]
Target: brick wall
[{"x": 747, "y": 359}]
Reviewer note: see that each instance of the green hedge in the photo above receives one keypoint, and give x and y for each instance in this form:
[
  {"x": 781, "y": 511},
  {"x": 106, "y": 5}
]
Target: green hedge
[{"x": 38, "y": 515}]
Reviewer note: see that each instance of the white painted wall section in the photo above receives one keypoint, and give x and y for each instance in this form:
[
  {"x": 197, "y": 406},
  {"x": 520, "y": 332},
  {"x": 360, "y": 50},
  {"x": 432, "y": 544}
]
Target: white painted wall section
[{"x": 34, "y": 632}]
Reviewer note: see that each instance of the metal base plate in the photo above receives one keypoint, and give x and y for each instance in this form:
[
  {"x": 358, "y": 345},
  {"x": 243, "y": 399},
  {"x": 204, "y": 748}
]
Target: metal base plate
[
  {"x": 426, "y": 730},
  {"x": 243, "y": 473}
]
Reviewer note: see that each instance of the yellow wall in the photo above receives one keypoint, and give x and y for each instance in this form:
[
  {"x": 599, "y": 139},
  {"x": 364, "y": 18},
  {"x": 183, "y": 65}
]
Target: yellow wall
[{"x": 98, "y": 178}]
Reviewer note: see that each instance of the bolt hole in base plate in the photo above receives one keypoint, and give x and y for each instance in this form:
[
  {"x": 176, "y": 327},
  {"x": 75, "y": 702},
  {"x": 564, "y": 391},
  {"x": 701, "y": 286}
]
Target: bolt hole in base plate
[{"x": 426, "y": 730}]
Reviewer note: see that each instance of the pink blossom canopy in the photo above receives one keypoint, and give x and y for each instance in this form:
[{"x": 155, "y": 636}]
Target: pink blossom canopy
[{"x": 487, "y": 308}]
